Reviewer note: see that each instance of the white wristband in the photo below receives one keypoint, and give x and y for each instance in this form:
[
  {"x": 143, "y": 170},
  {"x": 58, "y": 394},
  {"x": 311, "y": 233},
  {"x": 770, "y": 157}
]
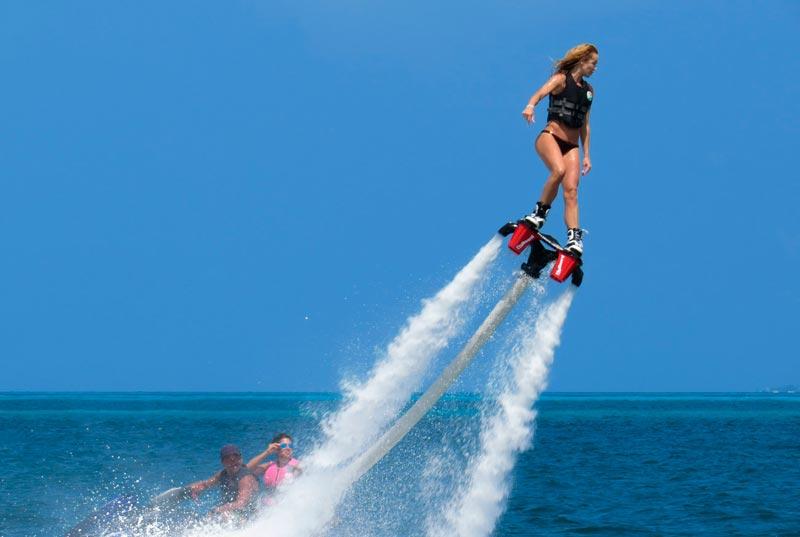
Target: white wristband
[{"x": 529, "y": 106}]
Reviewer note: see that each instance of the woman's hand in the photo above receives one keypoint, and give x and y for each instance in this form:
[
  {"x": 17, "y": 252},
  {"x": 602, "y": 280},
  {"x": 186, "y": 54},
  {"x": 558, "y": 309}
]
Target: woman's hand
[
  {"x": 273, "y": 448},
  {"x": 528, "y": 114},
  {"x": 587, "y": 165}
]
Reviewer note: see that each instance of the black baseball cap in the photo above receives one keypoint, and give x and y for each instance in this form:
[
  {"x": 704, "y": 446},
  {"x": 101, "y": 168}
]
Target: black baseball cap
[{"x": 229, "y": 449}]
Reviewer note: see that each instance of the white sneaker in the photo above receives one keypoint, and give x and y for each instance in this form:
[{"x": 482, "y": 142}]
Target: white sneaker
[
  {"x": 575, "y": 241},
  {"x": 539, "y": 215}
]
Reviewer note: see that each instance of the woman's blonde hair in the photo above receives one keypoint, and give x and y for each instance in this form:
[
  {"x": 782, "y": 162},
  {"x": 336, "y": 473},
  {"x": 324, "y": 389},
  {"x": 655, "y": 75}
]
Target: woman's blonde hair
[{"x": 573, "y": 56}]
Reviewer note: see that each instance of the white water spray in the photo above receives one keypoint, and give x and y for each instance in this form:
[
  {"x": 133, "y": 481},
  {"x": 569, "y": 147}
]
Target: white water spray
[
  {"x": 504, "y": 435},
  {"x": 309, "y": 505},
  {"x": 372, "y": 404}
]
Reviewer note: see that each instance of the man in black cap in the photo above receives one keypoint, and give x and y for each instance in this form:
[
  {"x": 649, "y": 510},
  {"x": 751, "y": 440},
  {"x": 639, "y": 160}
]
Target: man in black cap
[{"x": 238, "y": 486}]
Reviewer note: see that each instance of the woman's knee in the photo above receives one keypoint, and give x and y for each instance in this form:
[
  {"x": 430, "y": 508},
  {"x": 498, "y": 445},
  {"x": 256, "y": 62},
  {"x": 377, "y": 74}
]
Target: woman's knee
[
  {"x": 570, "y": 192},
  {"x": 558, "y": 172}
]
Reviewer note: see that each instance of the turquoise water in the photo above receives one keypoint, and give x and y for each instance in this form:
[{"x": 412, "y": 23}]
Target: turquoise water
[{"x": 622, "y": 464}]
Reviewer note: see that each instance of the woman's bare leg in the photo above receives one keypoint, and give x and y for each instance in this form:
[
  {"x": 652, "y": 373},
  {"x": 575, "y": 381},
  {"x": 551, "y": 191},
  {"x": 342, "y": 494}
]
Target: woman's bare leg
[
  {"x": 569, "y": 188},
  {"x": 549, "y": 152}
]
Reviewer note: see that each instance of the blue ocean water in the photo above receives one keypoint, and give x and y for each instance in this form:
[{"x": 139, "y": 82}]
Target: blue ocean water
[{"x": 601, "y": 464}]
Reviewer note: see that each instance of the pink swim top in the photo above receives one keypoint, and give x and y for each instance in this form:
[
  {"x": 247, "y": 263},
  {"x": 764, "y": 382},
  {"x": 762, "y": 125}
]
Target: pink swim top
[{"x": 274, "y": 474}]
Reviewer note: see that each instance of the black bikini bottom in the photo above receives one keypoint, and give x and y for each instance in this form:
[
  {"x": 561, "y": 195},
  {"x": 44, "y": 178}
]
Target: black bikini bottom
[{"x": 563, "y": 145}]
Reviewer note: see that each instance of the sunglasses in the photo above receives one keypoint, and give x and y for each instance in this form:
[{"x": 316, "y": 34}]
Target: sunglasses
[{"x": 285, "y": 445}]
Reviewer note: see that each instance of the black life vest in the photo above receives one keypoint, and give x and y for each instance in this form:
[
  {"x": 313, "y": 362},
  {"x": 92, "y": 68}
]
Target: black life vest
[
  {"x": 571, "y": 105},
  {"x": 229, "y": 484}
]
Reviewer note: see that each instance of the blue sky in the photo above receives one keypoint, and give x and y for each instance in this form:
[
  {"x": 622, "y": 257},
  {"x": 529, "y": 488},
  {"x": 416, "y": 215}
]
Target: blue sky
[{"x": 236, "y": 195}]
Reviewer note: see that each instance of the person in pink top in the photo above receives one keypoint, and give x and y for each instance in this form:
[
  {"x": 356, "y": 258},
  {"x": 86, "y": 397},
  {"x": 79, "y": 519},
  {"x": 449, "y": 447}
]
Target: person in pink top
[{"x": 282, "y": 469}]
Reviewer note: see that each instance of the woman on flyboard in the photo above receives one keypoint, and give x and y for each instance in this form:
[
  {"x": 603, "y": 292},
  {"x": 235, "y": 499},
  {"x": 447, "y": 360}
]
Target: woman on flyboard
[{"x": 570, "y": 100}]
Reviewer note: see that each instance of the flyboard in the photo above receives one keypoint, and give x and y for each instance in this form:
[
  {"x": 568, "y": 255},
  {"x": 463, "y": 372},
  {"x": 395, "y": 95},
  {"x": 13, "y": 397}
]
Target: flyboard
[{"x": 544, "y": 250}]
